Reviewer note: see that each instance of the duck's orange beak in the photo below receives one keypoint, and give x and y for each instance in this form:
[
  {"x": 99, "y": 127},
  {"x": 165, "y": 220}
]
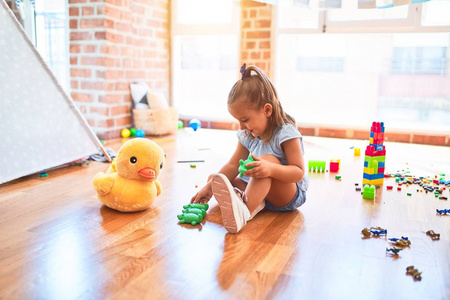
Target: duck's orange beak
[{"x": 147, "y": 173}]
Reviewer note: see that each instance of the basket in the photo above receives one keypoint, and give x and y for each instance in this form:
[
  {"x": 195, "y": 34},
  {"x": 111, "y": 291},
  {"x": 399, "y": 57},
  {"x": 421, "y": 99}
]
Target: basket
[{"x": 156, "y": 121}]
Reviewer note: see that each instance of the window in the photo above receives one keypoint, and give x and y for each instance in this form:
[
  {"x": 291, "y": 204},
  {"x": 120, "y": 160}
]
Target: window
[
  {"x": 51, "y": 38},
  {"x": 352, "y": 68},
  {"x": 205, "y": 55},
  {"x": 46, "y": 26}
]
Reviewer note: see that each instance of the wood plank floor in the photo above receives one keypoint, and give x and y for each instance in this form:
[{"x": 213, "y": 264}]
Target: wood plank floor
[{"x": 58, "y": 242}]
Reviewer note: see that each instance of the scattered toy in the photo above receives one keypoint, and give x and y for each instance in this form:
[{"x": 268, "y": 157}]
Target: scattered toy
[
  {"x": 393, "y": 250},
  {"x": 334, "y": 165},
  {"x": 369, "y": 192},
  {"x": 402, "y": 242},
  {"x": 316, "y": 166},
  {"x": 443, "y": 211},
  {"x": 43, "y": 174},
  {"x": 414, "y": 273},
  {"x": 374, "y": 231},
  {"x": 193, "y": 213},
  {"x": 434, "y": 236}
]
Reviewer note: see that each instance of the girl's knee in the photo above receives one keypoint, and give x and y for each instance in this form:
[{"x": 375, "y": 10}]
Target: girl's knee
[{"x": 271, "y": 158}]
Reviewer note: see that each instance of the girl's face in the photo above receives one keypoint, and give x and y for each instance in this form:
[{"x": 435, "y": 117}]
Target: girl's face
[{"x": 254, "y": 121}]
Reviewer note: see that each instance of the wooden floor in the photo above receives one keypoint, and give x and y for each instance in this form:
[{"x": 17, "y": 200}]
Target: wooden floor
[{"x": 58, "y": 242}]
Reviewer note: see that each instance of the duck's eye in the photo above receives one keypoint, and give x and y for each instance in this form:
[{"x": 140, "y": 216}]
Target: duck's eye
[
  {"x": 161, "y": 165},
  {"x": 133, "y": 160}
]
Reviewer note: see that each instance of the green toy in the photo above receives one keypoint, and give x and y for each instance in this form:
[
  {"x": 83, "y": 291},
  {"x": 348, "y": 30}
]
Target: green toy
[
  {"x": 133, "y": 131},
  {"x": 243, "y": 165},
  {"x": 193, "y": 213},
  {"x": 369, "y": 192},
  {"x": 197, "y": 205},
  {"x": 316, "y": 166},
  {"x": 197, "y": 211},
  {"x": 191, "y": 218}
]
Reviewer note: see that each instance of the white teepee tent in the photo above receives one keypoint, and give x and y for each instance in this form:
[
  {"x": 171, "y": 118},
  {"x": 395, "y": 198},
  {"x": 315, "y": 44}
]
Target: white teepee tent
[{"x": 40, "y": 126}]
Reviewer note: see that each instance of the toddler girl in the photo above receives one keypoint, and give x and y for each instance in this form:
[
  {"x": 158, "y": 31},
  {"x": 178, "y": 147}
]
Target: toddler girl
[{"x": 277, "y": 179}]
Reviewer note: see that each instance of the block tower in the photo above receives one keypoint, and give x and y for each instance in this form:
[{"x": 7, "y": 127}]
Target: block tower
[{"x": 375, "y": 156}]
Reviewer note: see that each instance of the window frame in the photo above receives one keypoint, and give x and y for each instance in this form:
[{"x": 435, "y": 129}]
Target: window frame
[
  {"x": 412, "y": 24},
  {"x": 177, "y": 30}
]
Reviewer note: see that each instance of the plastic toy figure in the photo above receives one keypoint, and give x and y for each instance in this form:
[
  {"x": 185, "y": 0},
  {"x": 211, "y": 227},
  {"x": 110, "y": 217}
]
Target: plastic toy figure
[
  {"x": 414, "y": 273},
  {"x": 191, "y": 218},
  {"x": 243, "y": 168},
  {"x": 197, "y": 205},
  {"x": 403, "y": 242},
  {"x": 197, "y": 211},
  {"x": 374, "y": 231},
  {"x": 193, "y": 213},
  {"x": 443, "y": 211},
  {"x": 394, "y": 250},
  {"x": 434, "y": 236}
]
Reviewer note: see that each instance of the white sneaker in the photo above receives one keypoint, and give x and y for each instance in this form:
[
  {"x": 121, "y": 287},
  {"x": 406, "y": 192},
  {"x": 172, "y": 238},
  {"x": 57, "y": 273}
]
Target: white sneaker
[{"x": 235, "y": 213}]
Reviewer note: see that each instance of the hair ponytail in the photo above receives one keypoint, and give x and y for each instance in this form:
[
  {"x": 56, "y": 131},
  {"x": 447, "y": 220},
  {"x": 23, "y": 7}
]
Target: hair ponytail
[{"x": 259, "y": 90}]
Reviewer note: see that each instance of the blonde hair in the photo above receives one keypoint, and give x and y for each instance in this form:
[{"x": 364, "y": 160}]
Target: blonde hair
[{"x": 258, "y": 90}]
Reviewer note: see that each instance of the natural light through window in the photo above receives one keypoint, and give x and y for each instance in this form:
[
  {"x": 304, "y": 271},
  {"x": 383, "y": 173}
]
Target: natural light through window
[{"x": 205, "y": 51}]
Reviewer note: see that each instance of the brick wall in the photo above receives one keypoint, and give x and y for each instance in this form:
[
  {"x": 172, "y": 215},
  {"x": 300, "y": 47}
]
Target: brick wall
[
  {"x": 113, "y": 43},
  {"x": 256, "y": 45}
]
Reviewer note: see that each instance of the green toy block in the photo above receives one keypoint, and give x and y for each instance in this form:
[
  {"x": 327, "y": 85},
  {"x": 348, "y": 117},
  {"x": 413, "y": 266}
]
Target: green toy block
[
  {"x": 369, "y": 192},
  {"x": 316, "y": 165},
  {"x": 243, "y": 168},
  {"x": 374, "y": 164},
  {"x": 191, "y": 218}
]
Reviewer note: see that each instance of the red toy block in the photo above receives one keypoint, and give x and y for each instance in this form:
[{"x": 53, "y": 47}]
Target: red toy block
[
  {"x": 389, "y": 187},
  {"x": 334, "y": 166},
  {"x": 399, "y": 188}
]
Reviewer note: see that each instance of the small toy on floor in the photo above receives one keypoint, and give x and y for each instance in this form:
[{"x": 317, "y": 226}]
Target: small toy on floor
[
  {"x": 434, "y": 236},
  {"x": 369, "y": 192},
  {"x": 131, "y": 181},
  {"x": 374, "y": 231},
  {"x": 193, "y": 213},
  {"x": 414, "y": 273},
  {"x": 393, "y": 250},
  {"x": 443, "y": 211},
  {"x": 402, "y": 242}
]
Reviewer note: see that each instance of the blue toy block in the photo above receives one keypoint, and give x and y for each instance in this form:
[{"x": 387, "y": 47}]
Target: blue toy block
[{"x": 374, "y": 176}]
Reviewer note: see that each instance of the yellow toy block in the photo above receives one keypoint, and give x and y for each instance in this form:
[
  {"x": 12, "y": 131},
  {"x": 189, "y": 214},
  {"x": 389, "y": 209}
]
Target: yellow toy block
[
  {"x": 369, "y": 171},
  {"x": 357, "y": 152},
  {"x": 373, "y": 181}
]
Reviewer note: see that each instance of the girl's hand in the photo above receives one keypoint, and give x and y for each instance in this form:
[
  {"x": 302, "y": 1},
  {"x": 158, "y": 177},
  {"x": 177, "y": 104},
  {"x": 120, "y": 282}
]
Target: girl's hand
[
  {"x": 204, "y": 195},
  {"x": 262, "y": 168}
]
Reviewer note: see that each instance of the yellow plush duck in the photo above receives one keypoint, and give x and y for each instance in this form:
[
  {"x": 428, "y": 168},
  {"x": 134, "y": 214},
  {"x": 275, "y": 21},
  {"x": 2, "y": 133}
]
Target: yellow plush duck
[{"x": 130, "y": 183}]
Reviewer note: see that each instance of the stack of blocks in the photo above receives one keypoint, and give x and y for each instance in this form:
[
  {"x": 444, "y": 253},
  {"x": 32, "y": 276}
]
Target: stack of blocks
[{"x": 375, "y": 155}]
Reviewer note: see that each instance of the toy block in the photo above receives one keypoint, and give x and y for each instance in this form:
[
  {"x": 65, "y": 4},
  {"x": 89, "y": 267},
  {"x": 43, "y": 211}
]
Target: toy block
[
  {"x": 357, "y": 152},
  {"x": 373, "y": 182},
  {"x": 373, "y": 176},
  {"x": 316, "y": 165},
  {"x": 334, "y": 166},
  {"x": 368, "y": 171},
  {"x": 369, "y": 192}
]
